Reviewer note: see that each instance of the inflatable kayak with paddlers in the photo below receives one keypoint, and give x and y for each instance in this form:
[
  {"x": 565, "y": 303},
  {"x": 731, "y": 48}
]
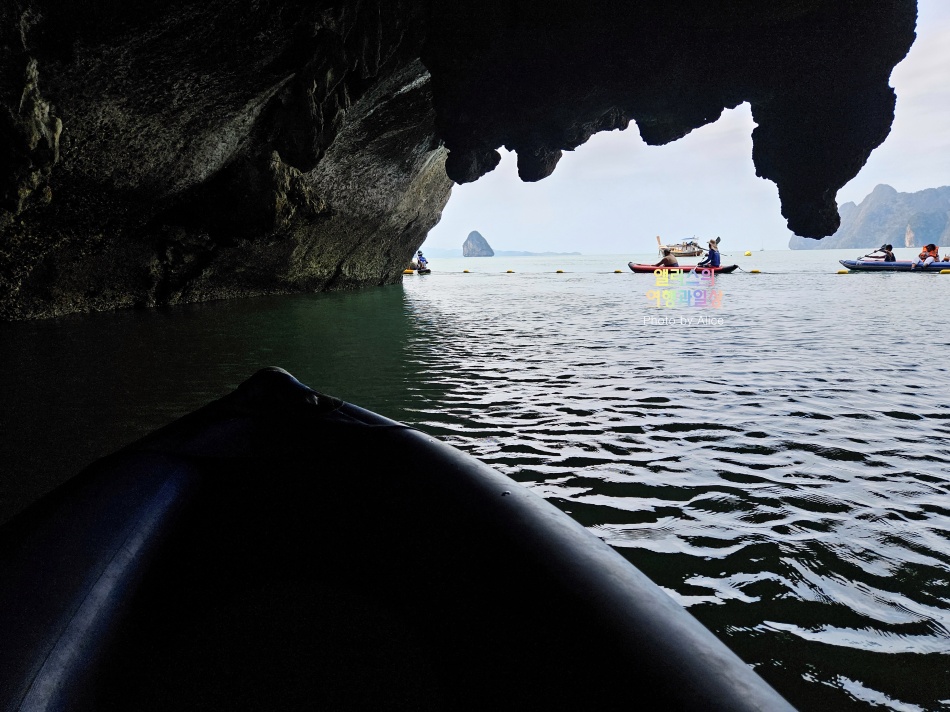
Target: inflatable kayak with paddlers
[{"x": 640, "y": 268}]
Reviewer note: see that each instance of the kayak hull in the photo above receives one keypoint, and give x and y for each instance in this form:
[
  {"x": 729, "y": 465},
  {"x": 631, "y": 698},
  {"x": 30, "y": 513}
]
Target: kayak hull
[
  {"x": 649, "y": 269},
  {"x": 899, "y": 266},
  {"x": 280, "y": 549}
]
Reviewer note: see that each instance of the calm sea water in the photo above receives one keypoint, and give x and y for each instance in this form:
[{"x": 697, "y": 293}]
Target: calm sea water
[{"x": 779, "y": 464}]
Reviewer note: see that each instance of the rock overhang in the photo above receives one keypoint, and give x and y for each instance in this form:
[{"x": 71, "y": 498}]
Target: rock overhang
[
  {"x": 539, "y": 78},
  {"x": 156, "y": 154}
]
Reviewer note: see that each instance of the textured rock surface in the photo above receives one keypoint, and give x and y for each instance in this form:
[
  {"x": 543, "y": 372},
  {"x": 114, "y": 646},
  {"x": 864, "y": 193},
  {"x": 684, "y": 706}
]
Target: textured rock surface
[
  {"x": 476, "y": 246},
  {"x": 154, "y": 153},
  {"x": 888, "y": 217},
  {"x": 190, "y": 151}
]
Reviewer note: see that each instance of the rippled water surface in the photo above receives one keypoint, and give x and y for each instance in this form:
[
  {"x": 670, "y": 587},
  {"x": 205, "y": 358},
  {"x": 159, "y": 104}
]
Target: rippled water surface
[{"x": 785, "y": 474}]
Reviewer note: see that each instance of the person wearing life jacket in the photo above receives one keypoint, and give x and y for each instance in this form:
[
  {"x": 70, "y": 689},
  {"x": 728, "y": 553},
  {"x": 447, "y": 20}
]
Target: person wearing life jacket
[{"x": 927, "y": 256}]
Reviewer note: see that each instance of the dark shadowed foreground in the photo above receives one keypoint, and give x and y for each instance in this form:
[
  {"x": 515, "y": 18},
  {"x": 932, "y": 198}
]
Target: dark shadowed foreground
[
  {"x": 784, "y": 475},
  {"x": 280, "y": 549}
]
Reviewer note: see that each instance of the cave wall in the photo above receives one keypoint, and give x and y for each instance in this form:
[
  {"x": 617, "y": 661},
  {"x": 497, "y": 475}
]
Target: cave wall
[
  {"x": 157, "y": 153},
  {"x": 188, "y": 151}
]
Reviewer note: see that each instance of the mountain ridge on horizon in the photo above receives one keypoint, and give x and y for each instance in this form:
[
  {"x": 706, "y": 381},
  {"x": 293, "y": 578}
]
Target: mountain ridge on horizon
[
  {"x": 476, "y": 245},
  {"x": 887, "y": 216},
  {"x": 451, "y": 253}
]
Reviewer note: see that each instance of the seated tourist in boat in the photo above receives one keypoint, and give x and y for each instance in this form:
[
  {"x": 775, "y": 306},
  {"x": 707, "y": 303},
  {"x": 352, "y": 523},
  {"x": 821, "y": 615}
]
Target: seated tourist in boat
[
  {"x": 927, "y": 256},
  {"x": 712, "y": 256},
  {"x": 668, "y": 259},
  {"x": 423, "y": 262}
]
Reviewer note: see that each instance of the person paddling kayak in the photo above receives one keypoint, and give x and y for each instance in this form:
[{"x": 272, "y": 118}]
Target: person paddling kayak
[{"x": 712, "y": 256}]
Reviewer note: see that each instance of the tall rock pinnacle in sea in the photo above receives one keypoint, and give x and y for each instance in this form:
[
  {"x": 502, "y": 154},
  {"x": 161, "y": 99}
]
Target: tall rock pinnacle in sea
[{"x": 476, "y": 246}]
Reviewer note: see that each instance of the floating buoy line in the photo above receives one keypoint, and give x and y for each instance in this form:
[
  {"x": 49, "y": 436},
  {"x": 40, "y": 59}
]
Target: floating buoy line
[
  {"x": 747, "y": 253},
  {"x": 618, "y": 271}
]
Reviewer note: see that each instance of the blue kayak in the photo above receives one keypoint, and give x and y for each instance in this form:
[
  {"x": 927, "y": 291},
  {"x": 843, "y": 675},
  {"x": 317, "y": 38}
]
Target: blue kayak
[{"x": 899, "y": 266}]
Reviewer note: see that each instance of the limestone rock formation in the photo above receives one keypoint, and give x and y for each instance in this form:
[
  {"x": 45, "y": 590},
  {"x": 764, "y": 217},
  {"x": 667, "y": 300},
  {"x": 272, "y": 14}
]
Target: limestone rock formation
[
  {"x": 815, "y": 73},
  {"x": 476, "y": 246},
  {"x": 888, "y": 217},
  {"x": 156, "y": 153},
  {"x": 175, "y": 152}
]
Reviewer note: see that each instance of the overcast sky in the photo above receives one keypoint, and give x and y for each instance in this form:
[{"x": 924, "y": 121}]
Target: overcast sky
[{"x": 614, "y": 194}]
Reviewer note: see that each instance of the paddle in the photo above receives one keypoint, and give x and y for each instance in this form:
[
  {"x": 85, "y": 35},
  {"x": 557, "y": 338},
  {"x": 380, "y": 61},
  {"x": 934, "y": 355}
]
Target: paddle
[{"x": 879, "y": 249}]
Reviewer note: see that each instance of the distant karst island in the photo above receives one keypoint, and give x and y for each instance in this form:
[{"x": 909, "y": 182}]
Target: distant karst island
[
  {"x": 888, "y": 217},
  {"x": 476, "y": 245}
]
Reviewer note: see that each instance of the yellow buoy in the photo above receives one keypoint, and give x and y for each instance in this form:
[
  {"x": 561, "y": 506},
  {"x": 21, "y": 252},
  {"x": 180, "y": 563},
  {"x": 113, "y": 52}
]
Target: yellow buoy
[
  {"x": 617, "y": 271},
  {"x": 511, "y": 271},
  {"x": 755, "y": 271},
  {"x": 465, "y": 271},
  {"x": 843, "y": 271},
  {"x": 407, "y": 271},
  {"x": 945, "y": 271},
  {"x": 747, "y": 253},
  {"x": 560, "y": 271}
]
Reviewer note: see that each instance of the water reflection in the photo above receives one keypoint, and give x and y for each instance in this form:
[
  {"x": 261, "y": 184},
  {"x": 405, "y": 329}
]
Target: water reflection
[{"x": 787, "y": 478}]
